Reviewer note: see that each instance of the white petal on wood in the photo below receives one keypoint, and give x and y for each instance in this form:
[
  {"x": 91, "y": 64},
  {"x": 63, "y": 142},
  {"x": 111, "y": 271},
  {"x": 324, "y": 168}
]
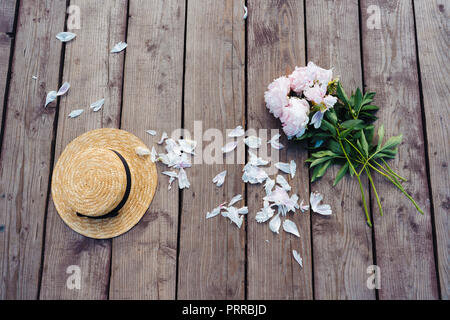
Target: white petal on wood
[
  {"x": 323, "y": 209},
  {"x": 297, "y": 258},
  {"x": 290, "y": 227},
  {"x": 164, "y": 136},
  {"x": 237, "y": 132},
  {"x": 141, "y": 151},
  {"x": 183, "y": 181},
  {"x": 119, "y": 47},
  {"x": 75, "y": 113},
  {"x": 283, "y": 183},
  {"x": 220, "y": 178},
  {"x": 65, "y": 36},
  {"x": 64, "y": 88},
  {"x": 97, "y": 105},
  {"x": 235, "y": 199},
  {"x": 275, "y": 223},
  {"x": 51, "y": 96},
  {"x": 230, "y": 146},
  {"x": 292, "y": 168},
  {"x": 253, "y": 142},
  {"x": 285, "y": 167},
  {"x": 151, "y": 132}
]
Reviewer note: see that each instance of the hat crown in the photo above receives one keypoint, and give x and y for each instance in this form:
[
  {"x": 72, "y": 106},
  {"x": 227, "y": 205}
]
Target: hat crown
[{"x": 95, "y": 182}]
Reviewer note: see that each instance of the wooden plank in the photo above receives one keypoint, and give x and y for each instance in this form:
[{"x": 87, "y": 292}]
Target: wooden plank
[
  {"x": 432, "y": 37},
  {"x": 7, "y": 13},
  {"x": 144, "y": 259},
  {"x": 342, "y": 242},
  {"x": 26, "y": 149},
  {"x": 404, "y": 244},
  {"x": 212, "y": 252},
  {"x": 274, "y": 49},
  {"x": 94, "y": 73},
  {"x": 5, "y": 51}
]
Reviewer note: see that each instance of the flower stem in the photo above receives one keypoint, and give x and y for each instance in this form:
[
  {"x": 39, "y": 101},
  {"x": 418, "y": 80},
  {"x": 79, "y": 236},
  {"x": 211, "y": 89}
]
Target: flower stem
[
  {"x": 374, "y": 191},
  {"x": 400, "y": 187},
  {"x": 392, "y": 172}
]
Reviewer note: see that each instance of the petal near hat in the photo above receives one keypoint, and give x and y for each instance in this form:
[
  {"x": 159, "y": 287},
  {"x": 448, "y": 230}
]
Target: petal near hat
[{"x": 100, "y": 187}]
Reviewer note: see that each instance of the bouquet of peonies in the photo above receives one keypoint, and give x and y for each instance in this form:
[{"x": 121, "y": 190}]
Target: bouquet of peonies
[{"x": 313, "y": 106}]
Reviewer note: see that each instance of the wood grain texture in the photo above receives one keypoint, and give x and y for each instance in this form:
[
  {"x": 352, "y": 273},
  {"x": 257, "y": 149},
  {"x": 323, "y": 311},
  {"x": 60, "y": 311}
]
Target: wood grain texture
[
  {"x": 342, "y": 242},
  {"x": 432, "y": 27},
  {"x": 276, "y": 44},
  {"x": 5, "y": 51},
  {"x": 212, "y": 252},
  {"x": 94, "y": 73},
  {"x": 144, "y": 259},
  {"x": 404, "y": 244},
  {"x": 26, "y": 150},
  {"x": 7, "y": 13}
]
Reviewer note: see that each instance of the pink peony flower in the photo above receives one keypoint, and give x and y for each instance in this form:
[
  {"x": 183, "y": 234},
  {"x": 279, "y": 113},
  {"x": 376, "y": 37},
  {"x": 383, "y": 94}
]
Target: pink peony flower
[
  {"x": 295, "y": 117},
  {"x": 277, "y": 96},
  {"x": 315, "y": 94},
  {"x": 301, "y": 79}
]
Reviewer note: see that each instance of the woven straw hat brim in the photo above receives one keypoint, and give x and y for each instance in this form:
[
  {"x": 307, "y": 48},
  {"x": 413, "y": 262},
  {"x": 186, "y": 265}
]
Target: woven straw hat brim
[{"x": 144, "y": 180}]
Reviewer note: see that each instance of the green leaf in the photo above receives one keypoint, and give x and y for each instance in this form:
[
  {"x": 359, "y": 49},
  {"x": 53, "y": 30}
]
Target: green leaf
[
  {"x": 323, "y": 153},
  {"x": 331, "y": 115},
  {"x": 341, "y": 94},
  {"x": 392, "y": 142},
  {"x": 368, "y": 98},
  {"x": 365, "y": 146},
  {"x": 341, "y": 173},
  {"x": 350, "y": 124},
  {"x": 358, "y": 100},
  {"x": 380, "y": 137},
  {"x": 319, "y": 161},
  {"x": 326, "y": 126},
  {"x": 335, "y": 147},
  {"x": 370, "y": 107},
  {"x": 369, "y": 131}
]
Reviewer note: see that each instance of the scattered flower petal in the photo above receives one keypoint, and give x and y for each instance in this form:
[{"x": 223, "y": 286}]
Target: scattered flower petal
[
  {"x": 280, "y": 198},
  {"x": 151, "y": 132},
  {"x": 253, "y": 174},
  {"x": 235, "y": 199},
  {"x": 119, "y": 47},
  {"x": 220, "y": 178},
  {"x": 269, "y": 186},
  {"x": 97, "y": 105},
  {"x": 232, "y": 214},
  {"x": 172, "y": 176},
  {"x": 64, "y": 88},
  {"x": 292, "y": 168},
  {"x": 65, "y": 36},
  {"x": 187, "y": 145},
  {"x": 237, "y": 132},
  {"x": 214, "y": 212},
  {"x": 154, "y": 155},
  {"x": 183, "y": 181},
  {"x": 297, "y": 258},
  {"x": 245, "y": 13},
  {"x": 75, "y": 113},
  {"x": 265, "y": 214},
  {"x": 230, "y": 146},
  {"x": 323, "y": 209},
  {"x": 283, "y": 183},
  {"x": 275, "y": 223},
  {"x": 34, "y": 77},
  {"x": 274, "y": 143},
  {"x": 283, "y": 166},
  {"x": 243, "y": 210},
  {"x": 290, "y": 227},
  {"x": 51, "y": 96},
  {"x": 255, "y": 160},
  {"x": 141, "y": 151},
  {"x": 253, "y": 142},
  {"x": 164, "y": 136},
  {"x": 303, "y": 207}
]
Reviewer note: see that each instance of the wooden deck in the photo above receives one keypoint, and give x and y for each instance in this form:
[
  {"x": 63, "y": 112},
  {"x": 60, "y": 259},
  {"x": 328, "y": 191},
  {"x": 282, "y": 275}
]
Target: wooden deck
[{"x": 200, "y": 60}]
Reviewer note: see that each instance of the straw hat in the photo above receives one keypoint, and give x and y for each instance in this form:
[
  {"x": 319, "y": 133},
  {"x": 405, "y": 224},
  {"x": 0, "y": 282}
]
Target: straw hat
[{"x": 100, "y": 186}]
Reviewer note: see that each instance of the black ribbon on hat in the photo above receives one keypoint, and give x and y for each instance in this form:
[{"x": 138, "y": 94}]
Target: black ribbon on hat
[{"x": 114, "y": 212}]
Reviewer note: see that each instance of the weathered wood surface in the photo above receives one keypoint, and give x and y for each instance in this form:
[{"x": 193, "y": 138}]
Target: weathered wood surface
[
  {"x": 212, "y": 252},
  {"x": 215, "y": 259},
  {"x": 7, "y": 14},
  {"x": 342, "y": 242},
  {"x": 144, "y": 259},
  {"x": 274, "y": 49},
  {"x": 403, "y": 237},
  {"x": 94, "y": 73},
  {"x": 432, "y": 27},
  {"x": 26, "y": 149}
]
